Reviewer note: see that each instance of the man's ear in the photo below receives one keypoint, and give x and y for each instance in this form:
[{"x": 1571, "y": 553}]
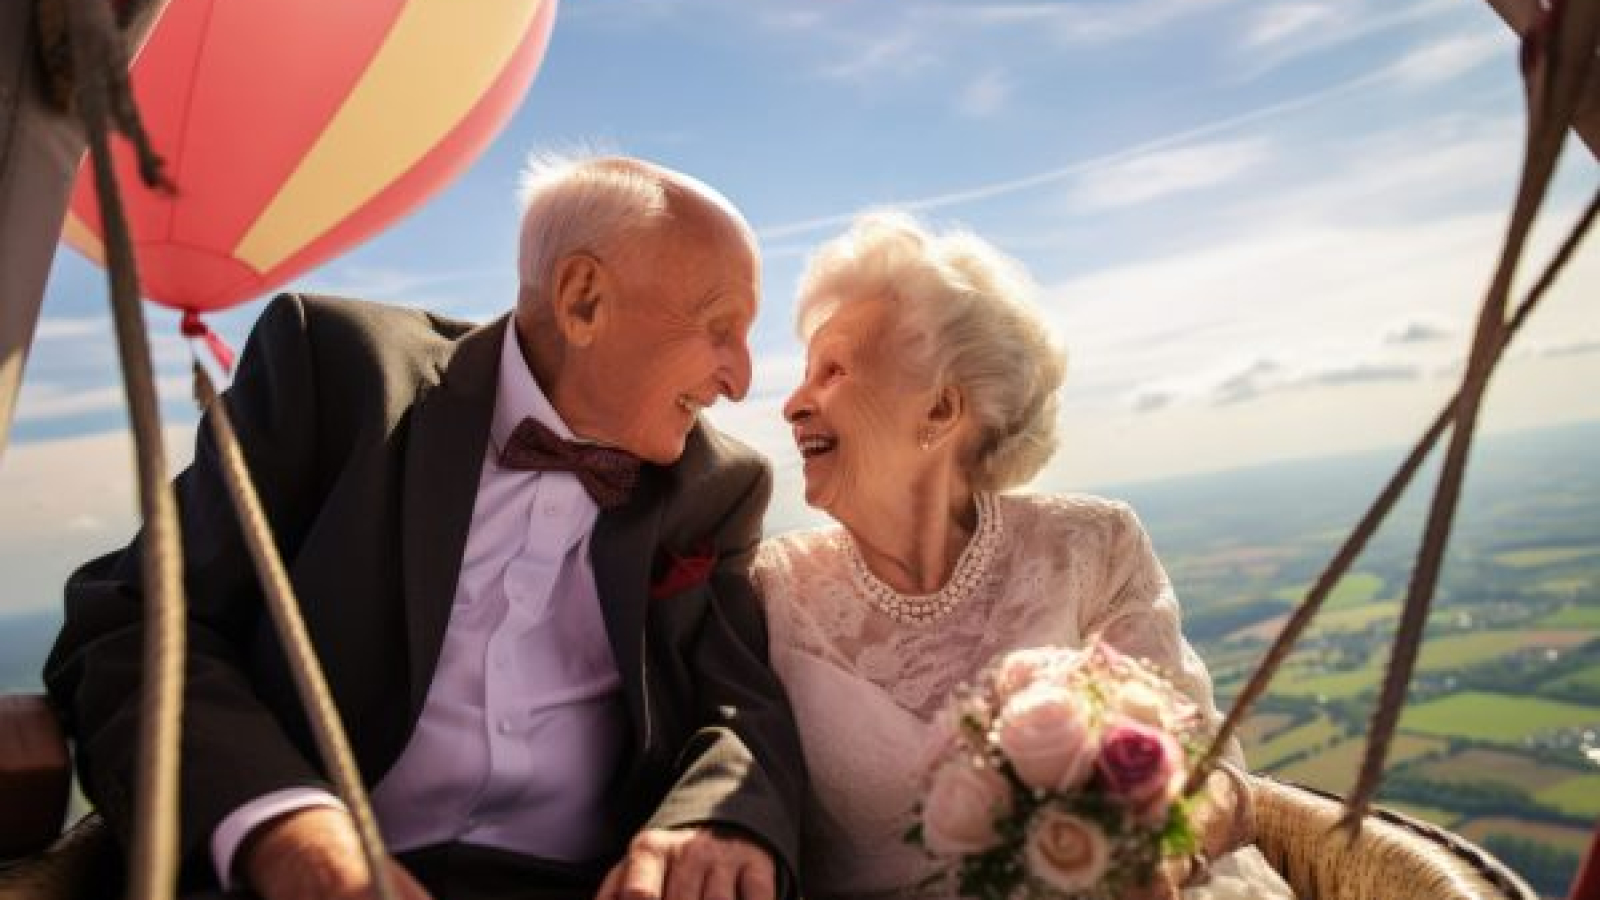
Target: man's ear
[{"x": 584, "y": 292}]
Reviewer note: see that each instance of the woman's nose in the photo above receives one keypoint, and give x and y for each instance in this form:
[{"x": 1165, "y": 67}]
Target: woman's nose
[{"x": 798, "y": 408}]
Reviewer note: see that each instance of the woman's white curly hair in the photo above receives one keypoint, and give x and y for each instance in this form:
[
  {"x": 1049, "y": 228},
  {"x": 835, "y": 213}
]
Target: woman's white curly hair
[{"x": 963, "y": 314}]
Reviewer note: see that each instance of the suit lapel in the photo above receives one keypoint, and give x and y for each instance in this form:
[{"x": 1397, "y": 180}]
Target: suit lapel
[
  {"x": 621, "y": 553},
  {"x": 444, "y": 456}
]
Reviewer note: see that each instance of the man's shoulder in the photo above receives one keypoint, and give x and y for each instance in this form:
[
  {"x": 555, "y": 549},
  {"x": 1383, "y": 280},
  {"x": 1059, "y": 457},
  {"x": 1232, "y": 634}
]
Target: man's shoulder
[
  {"x": 323, "y": 313},
  {"x": 349, "y": 336},
  {"x": 709, "y": 450}
]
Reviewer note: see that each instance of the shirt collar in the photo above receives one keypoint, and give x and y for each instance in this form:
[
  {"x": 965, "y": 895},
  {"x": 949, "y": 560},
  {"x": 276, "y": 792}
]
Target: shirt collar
[{"x": 519, "y": 395}]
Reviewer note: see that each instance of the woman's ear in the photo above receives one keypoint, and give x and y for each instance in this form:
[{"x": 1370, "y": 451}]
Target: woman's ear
[
  {"x": 583, "y": 293},
  {"x": 945, "y": 414}
]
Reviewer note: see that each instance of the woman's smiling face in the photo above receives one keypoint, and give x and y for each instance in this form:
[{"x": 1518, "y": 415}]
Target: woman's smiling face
[{"x": 857, "y": 413}]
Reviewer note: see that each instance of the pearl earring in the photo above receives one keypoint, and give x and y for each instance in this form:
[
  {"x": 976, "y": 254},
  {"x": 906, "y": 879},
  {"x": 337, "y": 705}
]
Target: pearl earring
[{"x": 925, "y": 438}]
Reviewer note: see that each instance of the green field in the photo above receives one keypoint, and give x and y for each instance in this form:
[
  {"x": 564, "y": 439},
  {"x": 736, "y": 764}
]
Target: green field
[
  {"x": 1314, "y": 733},
  {"x": 1259, "y": 727},
  {"x": 1511, "y": 769},
  {"x": 1355, "y": 589},
  {"x": 1450, "y": 653},
  {"x": 1334, "y": 686},
  {"x": 1440, "y": 817},
  {"x": 1498, "y": 718},
  {"x": 1328, "y": 621},
  {"x": 1543, "y": 556},
  {"x": 1575, "y": 617},
  {"x": 1575, "y": 839},
  {"x": 1583, "y": 679},
  {"x": 1579, "y": 796},
  {"x": 1334, "y": 768}
]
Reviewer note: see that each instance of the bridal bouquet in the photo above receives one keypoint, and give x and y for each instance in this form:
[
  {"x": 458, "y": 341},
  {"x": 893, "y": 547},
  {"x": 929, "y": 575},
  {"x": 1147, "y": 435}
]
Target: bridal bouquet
[{"x": 1058, "y": 776}]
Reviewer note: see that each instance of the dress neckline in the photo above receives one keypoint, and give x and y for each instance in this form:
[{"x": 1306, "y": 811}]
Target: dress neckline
[{"x": 970, "y": 574}]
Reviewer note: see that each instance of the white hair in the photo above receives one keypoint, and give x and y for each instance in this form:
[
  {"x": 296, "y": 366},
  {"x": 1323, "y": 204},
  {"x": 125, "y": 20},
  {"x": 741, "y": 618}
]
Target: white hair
[
  {"x": 963, "y": 314},
  {"x": 582, "y": 204}
]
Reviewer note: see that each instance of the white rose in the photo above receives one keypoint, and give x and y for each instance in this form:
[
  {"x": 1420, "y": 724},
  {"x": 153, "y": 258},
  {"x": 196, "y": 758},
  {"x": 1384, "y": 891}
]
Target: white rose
[
  {"x": 1143, "y": 703},
  {"x": 963, "y": 803},
  {"x": 1067, "y": 852}
]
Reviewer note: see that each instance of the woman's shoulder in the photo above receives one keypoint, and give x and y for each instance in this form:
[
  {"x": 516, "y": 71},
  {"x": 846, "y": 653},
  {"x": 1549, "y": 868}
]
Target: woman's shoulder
[
  {"x": 784, "y": 551},
  {"x": 1067, "y": 511}
]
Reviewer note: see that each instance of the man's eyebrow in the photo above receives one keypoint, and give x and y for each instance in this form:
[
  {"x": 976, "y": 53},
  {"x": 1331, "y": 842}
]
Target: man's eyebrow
[{"x": 711, "y": 301}]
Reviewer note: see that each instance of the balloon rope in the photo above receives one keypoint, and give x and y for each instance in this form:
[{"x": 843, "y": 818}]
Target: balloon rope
[
  {"x": 1374, "y": 516},
  {"x": 101, "y": 69},
  {"x": 307, "y": 671},
  {"x": 1556, "y": 62},
  {"x": 195, "y": 327}
]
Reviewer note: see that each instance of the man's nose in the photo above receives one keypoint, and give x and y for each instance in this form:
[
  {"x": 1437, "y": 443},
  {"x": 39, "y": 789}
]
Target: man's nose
[{"x": 736, "y": 371}]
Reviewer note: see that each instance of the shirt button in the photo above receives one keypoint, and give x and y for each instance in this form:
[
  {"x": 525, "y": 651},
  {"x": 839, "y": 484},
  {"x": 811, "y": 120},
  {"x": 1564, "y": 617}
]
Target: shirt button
[
  {"x": 552, "y": 510},
  {"x": 505, "y": 726}
]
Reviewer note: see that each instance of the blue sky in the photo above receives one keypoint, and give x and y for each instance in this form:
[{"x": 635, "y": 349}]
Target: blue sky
[{"x": 1260, "y": 228}]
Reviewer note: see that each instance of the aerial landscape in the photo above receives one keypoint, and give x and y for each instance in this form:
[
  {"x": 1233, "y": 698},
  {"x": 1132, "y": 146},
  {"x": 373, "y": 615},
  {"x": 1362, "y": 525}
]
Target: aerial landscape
[{"x": 1501, "y": 738}]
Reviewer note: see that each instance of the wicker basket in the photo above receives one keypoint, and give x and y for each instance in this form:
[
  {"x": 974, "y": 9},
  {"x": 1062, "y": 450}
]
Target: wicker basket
[
  {"x": 82, "y": 863},
  {"x": 1394, "y": 857}
]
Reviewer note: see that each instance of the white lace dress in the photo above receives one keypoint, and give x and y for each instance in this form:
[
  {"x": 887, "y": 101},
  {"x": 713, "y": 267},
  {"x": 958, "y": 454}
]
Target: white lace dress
[{"x": 865, "y": 688}]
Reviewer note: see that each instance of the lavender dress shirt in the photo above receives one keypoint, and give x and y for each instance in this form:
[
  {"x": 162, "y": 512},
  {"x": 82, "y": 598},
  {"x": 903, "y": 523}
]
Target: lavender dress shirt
[{"x": 524, "y": 725}]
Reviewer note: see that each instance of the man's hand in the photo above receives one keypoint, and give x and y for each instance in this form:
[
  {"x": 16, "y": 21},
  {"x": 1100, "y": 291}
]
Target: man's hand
[
  {"x": 314, "y": 854},
  {"x": 691, "y": 864}
]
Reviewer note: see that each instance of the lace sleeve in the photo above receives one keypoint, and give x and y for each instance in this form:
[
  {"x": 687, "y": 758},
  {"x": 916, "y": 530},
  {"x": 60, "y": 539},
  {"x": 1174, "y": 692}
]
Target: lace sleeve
[{"x": 1141, "y": 617}]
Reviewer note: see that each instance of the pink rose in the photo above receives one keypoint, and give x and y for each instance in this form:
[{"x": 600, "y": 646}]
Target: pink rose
[
  {"x": 1067, "y": 852},
  {"x": 1019, "y": 669},
  {"x": 1045, "y": 732},
  {"x": 1141, "y": 764},
  {"x": 963, "y": 803}
]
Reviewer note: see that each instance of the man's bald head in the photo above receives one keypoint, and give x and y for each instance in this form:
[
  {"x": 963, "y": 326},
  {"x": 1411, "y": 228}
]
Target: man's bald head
[{"x": 604, "y": 206}]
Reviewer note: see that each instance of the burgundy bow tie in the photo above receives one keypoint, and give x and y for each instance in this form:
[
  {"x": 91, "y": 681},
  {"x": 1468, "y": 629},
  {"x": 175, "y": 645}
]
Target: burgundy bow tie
[{"x": 608, "y": 474}]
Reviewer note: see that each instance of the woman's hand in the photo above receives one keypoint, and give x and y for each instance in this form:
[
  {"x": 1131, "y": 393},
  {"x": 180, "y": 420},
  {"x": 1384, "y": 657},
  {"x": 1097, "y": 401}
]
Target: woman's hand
[{"x": 1223, "y": 821}]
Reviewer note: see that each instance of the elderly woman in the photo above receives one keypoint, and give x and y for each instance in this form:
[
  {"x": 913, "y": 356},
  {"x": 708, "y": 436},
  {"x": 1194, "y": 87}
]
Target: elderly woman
[{"x": 930, "y": 387}]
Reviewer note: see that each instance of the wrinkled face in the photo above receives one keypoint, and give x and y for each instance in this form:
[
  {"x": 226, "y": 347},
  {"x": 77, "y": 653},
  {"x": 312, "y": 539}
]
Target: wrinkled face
[
  {"x": 672, "y": 340},
  {"x": 856, "y": 416}
]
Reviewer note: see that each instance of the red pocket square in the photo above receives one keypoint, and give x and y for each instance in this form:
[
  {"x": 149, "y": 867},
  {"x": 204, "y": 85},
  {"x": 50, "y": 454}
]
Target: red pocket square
[{"x": 679, "y": 573}]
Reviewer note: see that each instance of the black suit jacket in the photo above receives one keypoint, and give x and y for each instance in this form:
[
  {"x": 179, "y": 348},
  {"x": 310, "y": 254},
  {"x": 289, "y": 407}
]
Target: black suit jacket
[{"x": 365, "y": 428}]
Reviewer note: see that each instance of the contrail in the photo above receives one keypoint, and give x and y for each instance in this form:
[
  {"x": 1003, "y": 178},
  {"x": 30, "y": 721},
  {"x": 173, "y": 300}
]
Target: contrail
[{"x": 984, "y": 192}]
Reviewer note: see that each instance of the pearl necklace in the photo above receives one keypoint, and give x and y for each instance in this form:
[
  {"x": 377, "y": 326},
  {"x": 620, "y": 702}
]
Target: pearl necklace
[{"x": 971, "y": 572}]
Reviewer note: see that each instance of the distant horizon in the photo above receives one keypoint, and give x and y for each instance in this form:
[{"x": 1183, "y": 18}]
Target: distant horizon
[{"x": 46, "y": 568}]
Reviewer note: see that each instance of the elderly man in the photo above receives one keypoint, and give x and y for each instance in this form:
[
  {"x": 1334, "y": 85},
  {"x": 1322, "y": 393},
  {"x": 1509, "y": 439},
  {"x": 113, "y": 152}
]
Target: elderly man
[{"x": 521, "y": 555}]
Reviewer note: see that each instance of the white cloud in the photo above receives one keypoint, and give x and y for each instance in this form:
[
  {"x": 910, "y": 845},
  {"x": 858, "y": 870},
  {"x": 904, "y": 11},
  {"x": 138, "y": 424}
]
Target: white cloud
[
  {"x": 1450, "y": 58},
  {"x": 999, "y": 188},
  {"x": 1356, "y": 373},
  {"x": 410, "y": 287},
  {"x": 1150, "y": 399},
  {"x": 68, "y": 328},
  {"x": 1098, "y": 23},
  {"x": 43, "y": 401},
  {"x": 1160, "y": 173},
  {"x": 1248, "y": 382},
  {"x": 1417, "y": 331},
  {"x": 985, "y": 95},
  {"x": 1572, "y": 348},
  {"x": 1279, "y": 35},
  {"x": 1276, "y": 23},
  {"x": 63, "y": 501},
  {"x": 897, "y": 56},
  {"x": 792, "y": 19}
]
